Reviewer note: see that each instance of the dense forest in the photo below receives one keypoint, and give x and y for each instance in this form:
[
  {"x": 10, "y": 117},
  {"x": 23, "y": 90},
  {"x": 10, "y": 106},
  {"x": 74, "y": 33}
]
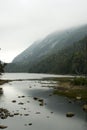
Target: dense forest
[{"x": 69, "y": 60}]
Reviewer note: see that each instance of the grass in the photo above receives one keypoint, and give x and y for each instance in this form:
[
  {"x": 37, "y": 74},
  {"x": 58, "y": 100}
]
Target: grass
[
  {"x": 3, "y": 81},
  {"x": 72, "y": 87},
  {"x": 79, "y": 81},
  {"x": 68, "y": 86}
]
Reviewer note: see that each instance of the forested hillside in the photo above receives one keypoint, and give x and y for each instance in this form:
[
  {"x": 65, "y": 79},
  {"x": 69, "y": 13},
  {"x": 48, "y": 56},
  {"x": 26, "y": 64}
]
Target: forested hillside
[
  {"x": 71, "y": 60},
  {"x": 59, "y": 52}
]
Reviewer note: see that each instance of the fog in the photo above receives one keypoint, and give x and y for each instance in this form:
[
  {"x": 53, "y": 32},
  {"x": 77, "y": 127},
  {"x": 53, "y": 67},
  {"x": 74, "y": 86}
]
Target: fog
[{"x": 24, "y": 21}]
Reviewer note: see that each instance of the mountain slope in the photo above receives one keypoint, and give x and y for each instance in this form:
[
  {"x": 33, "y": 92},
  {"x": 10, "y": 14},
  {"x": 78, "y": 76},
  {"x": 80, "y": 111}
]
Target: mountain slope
[
  {"x": 71, "y": 60},
  {"x": 43, "y": 48}
]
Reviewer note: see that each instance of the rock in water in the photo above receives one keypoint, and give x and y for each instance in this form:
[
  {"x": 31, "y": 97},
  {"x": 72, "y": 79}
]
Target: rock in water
[
  {"x": 70, "y": 114},
  {"x": 3, "y": 127},
  {"x": 85, "y": 107},
  {"x": 78, "y": 98},
  {"x": 1, "y": 91}
]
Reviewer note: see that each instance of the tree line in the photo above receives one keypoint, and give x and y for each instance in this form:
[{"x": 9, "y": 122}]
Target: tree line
[{"x": 69, "y": 60}]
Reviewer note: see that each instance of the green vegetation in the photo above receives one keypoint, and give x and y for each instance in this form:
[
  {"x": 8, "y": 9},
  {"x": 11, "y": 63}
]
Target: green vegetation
[
  {"x": 69, "y": 60},
  {"x": 73, "y": 93},
  {"x": 72, "y": 87},
  {"x": 3, "y": 81},
  {"x": 80, "y": 81}
]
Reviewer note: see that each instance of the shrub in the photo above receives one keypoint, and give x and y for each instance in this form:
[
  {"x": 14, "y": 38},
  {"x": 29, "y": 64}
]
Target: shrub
[{"x": 79, "y": 81}]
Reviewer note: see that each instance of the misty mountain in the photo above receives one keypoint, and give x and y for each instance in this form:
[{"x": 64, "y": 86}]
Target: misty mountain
[
  {"x": 47, "y": 47},
  {"x": 70, "y": 60}
]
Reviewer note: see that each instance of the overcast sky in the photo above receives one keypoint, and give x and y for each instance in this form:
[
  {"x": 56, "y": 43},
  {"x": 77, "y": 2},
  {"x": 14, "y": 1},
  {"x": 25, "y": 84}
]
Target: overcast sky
[{"x": 24, "y": 21}]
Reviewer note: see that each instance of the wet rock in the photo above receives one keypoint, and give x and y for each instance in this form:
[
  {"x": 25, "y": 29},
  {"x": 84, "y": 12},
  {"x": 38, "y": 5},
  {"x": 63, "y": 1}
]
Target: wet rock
[
  {"x": 70, "y": 114},
  {"x": 19, "y": 96},
  {"x": 1, "y": 91},
  {"x": 4, "y": 113},
  {"x": 85, "y": 107},
  {"x": 3, "y": 127},
  {"x": 40, "y": 100},
  {"x": 51, "y": 112},
  {"x": 26, "y": 114},
  {"x": 16, "y": 113},
  {"x": 11, "y": 115},
  {"x": 70, "y": 101},
  {"x": 50, "y": 94},
  {"x": 30, "y": 124},
  {"x": 14, "y": 101},
  {"x": 78, "y": 98},
  {"x": 20, "y": 103},
  {"x": 35, "y": 98},
  {"x": 28, "y": 101},
  {"x": 37, "y": 112},
  {"x": 22, "y": 96},
  {"x": 45, "y": 103},
  {"x": 41, "y": 104},
  {"x": 3, "y": 117}
]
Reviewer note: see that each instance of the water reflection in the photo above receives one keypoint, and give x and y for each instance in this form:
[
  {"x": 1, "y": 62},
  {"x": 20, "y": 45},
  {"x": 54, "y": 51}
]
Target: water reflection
[{"x": 52, "y": 115}]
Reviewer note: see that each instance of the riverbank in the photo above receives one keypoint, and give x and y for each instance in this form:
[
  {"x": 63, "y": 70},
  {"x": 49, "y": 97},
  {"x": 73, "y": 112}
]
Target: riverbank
[
  {"x": 28, "y": 97},
  {"x": 68, "y": 88},
  {"x": 3, "y": 81}
]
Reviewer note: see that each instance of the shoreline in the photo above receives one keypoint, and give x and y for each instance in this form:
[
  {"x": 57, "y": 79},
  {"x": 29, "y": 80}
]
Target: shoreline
[
  {"x": 3, "y": 81},
  {"x": 67, "y": 88},
  {"x": 22, "y": 103},
  {"x": 64, "y": 87}
]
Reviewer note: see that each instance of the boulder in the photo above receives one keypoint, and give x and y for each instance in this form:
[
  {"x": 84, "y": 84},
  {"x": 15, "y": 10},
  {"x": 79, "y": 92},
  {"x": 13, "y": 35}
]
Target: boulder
[
  {"x": 70, "y": 114},
  {"x": 1, "y": 91},
  {"x": 35, "y": 98},
  {"x": 85, "y": 107},
  {"x": 3, "y": 127},
  {"x": 13, "y": 101},
  {"x": 78, "y": 98}
]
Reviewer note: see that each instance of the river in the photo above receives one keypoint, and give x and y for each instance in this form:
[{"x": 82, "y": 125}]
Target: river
[{"x": 33, "y": 115}]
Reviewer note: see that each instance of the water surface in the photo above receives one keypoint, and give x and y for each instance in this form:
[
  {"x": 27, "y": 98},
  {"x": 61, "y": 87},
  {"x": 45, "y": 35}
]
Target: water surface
[{"x": 50, "y": 116}]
